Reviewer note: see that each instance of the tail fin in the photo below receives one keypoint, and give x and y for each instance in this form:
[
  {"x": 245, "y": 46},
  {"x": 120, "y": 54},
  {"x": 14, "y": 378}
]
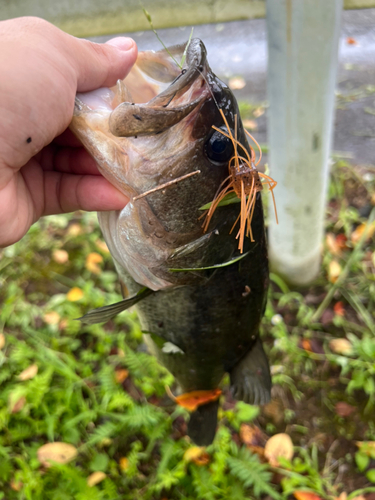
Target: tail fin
[{"x": 202, "y": 424}]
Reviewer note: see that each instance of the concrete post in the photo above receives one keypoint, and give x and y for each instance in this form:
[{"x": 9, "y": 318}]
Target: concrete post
[{"x": 303, "y": 51}]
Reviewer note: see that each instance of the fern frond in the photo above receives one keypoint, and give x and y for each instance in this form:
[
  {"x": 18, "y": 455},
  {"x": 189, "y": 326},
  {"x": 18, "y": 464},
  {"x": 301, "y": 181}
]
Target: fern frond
[{"x": 247, "y": 468}]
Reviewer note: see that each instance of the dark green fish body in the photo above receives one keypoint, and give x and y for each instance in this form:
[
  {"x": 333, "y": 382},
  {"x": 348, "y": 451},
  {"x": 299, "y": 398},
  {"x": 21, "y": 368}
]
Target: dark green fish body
[{"x": 200, "y": 301}]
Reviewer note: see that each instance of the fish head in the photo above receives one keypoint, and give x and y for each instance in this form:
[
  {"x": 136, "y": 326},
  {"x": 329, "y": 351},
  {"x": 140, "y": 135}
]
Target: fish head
[{"x": 147, "y": 134}]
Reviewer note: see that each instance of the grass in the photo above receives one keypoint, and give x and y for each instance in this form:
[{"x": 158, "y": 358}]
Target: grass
[{"x": 97, "y": 389}]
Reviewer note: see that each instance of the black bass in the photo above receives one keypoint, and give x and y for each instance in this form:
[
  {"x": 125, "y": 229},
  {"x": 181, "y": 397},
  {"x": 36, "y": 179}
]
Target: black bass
[{"x": 199, "y": 298}]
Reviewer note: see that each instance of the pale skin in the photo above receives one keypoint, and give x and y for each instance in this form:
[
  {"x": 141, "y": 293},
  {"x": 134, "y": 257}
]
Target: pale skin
[{"x": 44, "y": 169}]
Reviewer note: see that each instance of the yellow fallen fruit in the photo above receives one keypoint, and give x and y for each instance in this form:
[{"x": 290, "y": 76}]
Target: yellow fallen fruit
[
  {"x": 95, "y": 478},
  {"x": 60, "y": 256},
  {"x": 124, "y": 463},
  {"x": 62, "y": 453},
  {"x": 74, "y": 294},
  {"x": 28, "y": 373},
  {"x": 279, "y": 445},
  {"x": 341, "y": 346},
  {"x": 92, "y": 261},
  {"x": 334, "y": 271},
  {"x": 51, "y": 318}
]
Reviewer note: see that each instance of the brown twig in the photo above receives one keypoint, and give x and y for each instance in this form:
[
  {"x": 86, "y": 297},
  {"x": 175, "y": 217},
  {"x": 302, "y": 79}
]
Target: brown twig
[{"x": 167, "y": 184}]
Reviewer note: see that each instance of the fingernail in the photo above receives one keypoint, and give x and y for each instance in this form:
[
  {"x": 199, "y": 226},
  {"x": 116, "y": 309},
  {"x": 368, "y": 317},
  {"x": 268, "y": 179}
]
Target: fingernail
[{"x": 122, "y": 43}]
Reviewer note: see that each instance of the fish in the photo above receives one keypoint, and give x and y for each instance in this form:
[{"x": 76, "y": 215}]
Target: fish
[{"x": 160, "y": 138}]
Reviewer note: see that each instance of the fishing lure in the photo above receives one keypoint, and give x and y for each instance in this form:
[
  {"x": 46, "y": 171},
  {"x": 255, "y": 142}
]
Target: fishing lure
[{"x": 244, "y": 180}]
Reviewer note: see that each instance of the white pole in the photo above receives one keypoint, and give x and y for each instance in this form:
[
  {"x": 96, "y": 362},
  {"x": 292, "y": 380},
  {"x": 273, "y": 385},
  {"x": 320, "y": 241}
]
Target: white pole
[{"x": 303, "y": 51}]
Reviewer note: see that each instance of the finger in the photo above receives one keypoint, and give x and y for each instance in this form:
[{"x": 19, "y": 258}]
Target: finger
[
  {"x": 67, "y": 138},
  {"x": 67, "y": 160},
  {"x": 68, "y": 193},
  {"x": 101, "y": 65}
]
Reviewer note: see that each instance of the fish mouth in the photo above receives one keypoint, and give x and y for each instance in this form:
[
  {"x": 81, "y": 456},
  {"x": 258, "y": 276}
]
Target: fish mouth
[
  {"x": 170, "y": 106},
  {"x": 157, "y": 94}
]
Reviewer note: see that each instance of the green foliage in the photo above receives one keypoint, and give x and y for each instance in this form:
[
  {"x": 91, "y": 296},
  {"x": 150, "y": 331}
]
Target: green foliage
[
  {"x": 129, "y": 430},
  {"x": 247, "y": 468}
]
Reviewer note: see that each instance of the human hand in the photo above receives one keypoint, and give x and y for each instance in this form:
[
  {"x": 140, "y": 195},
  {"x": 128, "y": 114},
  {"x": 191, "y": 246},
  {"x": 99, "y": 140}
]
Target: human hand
[{"x": 43, "y": 168}]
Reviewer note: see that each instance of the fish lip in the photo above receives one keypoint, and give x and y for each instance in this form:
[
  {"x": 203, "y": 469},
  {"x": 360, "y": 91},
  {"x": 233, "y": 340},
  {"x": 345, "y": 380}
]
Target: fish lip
[{"x": 195, "y": 63}]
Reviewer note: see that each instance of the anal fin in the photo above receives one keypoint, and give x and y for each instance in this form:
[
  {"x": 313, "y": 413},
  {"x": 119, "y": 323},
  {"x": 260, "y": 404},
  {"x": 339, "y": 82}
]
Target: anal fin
[{"x": 250, "y": 378}]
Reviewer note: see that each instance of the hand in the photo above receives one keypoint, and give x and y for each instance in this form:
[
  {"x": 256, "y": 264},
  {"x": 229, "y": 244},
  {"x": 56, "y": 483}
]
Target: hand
[{"x": 43, "y": 168}]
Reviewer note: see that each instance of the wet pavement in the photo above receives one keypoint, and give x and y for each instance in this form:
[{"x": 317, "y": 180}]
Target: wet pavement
[{"x": 240, "y": 49}]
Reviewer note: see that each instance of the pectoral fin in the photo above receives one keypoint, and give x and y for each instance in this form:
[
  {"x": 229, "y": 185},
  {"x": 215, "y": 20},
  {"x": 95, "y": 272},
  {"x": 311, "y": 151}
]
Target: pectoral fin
[
  {"x": 250, "y": 378},
  {"x": 105, "y": 313}
]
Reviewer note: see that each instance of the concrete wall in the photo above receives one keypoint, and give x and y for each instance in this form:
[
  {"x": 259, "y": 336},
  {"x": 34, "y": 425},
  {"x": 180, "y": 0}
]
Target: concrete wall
[{"x": 99, "y": 17}]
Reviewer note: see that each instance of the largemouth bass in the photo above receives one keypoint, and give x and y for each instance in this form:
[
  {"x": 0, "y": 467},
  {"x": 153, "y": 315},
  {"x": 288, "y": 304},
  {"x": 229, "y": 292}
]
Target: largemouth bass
[{"x": 199, "y": 299}]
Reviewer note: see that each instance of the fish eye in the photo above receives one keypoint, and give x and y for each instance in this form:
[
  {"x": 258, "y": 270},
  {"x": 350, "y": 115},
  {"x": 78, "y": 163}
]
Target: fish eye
[{"x": 219, "y": 148}]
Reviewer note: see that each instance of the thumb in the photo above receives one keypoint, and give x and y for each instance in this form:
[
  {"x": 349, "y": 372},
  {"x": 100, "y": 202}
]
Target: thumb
[{"x": 101, "y": 65}]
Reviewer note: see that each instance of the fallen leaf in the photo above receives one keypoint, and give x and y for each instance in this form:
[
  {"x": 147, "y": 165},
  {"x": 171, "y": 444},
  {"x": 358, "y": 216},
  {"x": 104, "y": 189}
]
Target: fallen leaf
[
  {"x": 92, "y": 261},
  {"x": 250, "y": 124},
  {"x": 121, "y": 375},
  {"x": 306, "y": 495},
  {"x": 2, "y": 341},
  {"x": 16, "y": 485},
  {"x": 251, "y": 435},
  {"x": 28, "y": 373},
  {"x": 106, "y": 442},
  {"x": 311, "y": 345},
  {"x": 342, "y": 496},
  {"x": 204, "y": 459},
  {"x": 341, "y": 240},
  {"x": 16, "y": 406},
  {"x": 332, "y": 244},
  {"x": 344, "y": 409},
  {"x": 259, "y": 112},
  {"x": 102, "y": 245},
  {"x": 63, "y": 324},
  {"x": 60, "y": 256},
  {"x": 236, "y": 83},
  {"x": 253, "y": 438},
  {"x": 74, "y": 294},
  {"x": 124, "y": 464},
  {"x": 95, "y": 478},
  {"x": 357, "y": 233},
  {"x": 334, "y": 271},
  {"x": 279, "y": 445},
  {"x": 339, "y": 308},
  {"x": 51, "y": 318},
  {"x": 351, "y": 41},
  {"x": 367, "y": 447},
  {"x": 306, "y": 345},
  {"x": 74, "y": 230},
  {"x": 274, "y": 410},
  {"x": 359, "y": 497},
  {"x": 191, "y": 400},
  {"x": 341, "y": 346},
  {"x": 61, "y": 453},
  {"x": 198, "y": 455},
  {"x": 192, "y": 453}
]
